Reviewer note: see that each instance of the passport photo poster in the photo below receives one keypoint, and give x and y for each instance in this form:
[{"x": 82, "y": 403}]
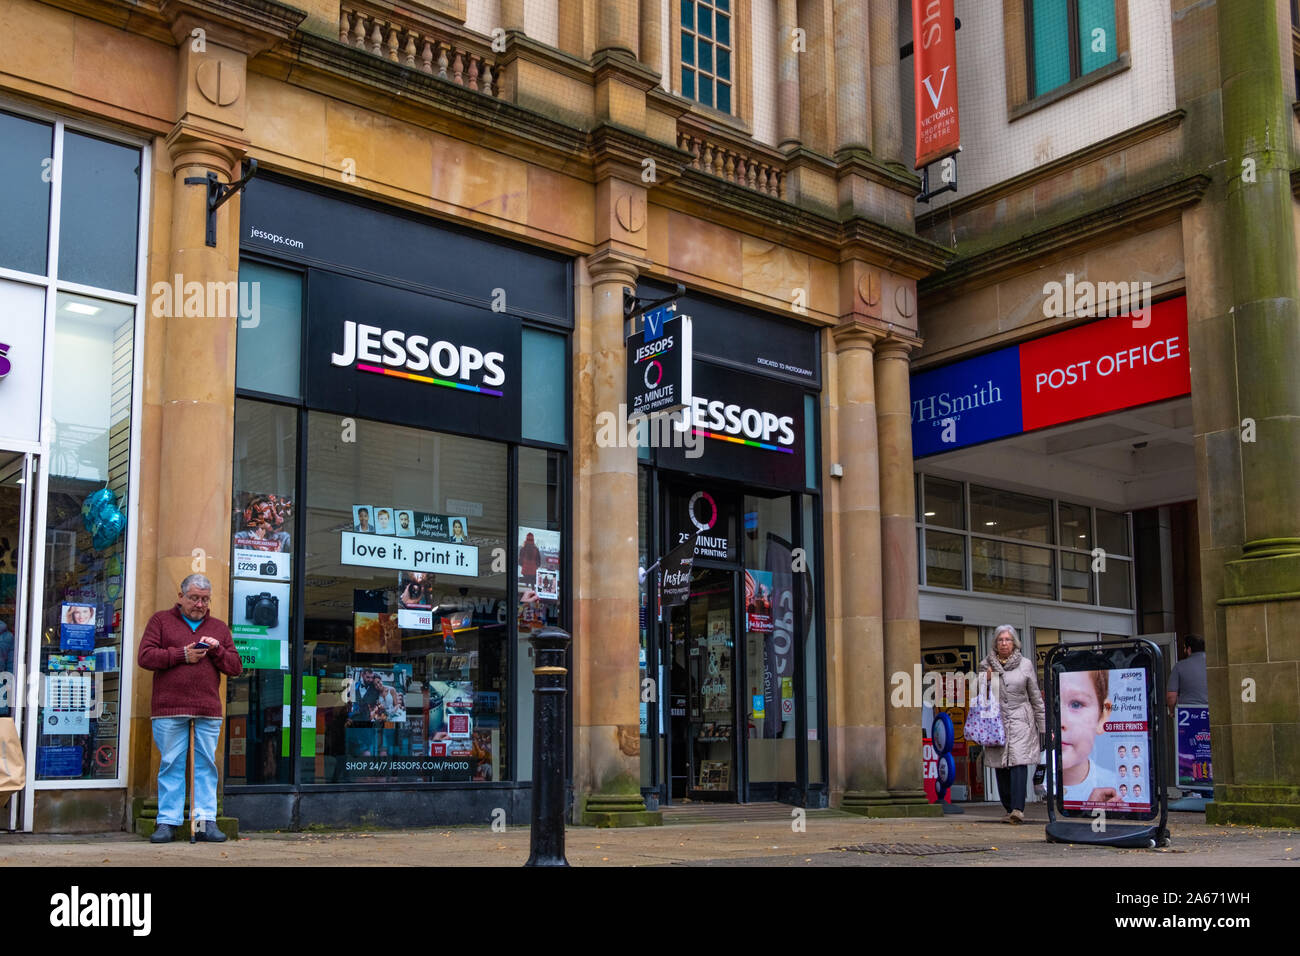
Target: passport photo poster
[{"x": 1105, "y": 748}]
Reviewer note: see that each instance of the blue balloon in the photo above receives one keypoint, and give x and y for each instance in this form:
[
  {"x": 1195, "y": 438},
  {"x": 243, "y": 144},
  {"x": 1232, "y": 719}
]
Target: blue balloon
[
  {"x": 102, "y": 518},
  {"x": 93, "y": 503}
]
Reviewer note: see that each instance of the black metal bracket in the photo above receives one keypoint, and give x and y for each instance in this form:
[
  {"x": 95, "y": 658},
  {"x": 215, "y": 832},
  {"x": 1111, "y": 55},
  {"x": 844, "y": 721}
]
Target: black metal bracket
[
  {"x": 632, "y": 306},
  {"x": 925, "y": 194},
  {"x": 219, "y": 192}
]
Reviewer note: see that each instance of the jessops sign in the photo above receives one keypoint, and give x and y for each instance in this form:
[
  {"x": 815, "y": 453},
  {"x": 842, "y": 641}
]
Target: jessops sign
[
  {"x": 751, "y": 428},
  {"x": 1088, "y": 370},
  {"x": 659, "y": 363},
  {"x": 381, "y": 352}
]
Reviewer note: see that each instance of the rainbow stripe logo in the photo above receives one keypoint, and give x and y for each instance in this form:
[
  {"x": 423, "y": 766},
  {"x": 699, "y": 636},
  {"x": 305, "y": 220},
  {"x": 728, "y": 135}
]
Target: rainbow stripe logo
[
  {"x": 741, "y": 441},
  {"x": 428, "y": 380}
]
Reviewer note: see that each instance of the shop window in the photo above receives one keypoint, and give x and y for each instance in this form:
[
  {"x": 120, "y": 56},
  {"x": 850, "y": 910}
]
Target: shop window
[
  {"x": 99, "y": 215},
  {"x": 270, "y": 330},
  {"x": 1076, "y": 577},
  {"x": 1075, "y": 526},
  {"x": 83, "y": 598},
  {"x": 810, "y": 441},
  {"x": 1000, "y": 567},
  {"x": 811, "y": 642},
  {"x": 706, "y": 50},
  {"x": 543, "y": 379},
  {"x": 945, "y": 559},
  {"x": 943, "y": 503},
  {"x": 1010, "y": 515},
  {"x": 1116, "y": 584},
  {"x": 405, "y": 614},
  {"x": 1112, "y": 532},
  {"x": 26, "y": 159},
  {"x": 540, "y": 576},
  {"x": 261, "y": 614},
  {"x": 771, "y": 588}
]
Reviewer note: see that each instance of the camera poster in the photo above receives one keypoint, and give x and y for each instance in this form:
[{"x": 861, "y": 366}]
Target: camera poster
[
  {"x": 415, "y": 600},
  {"x": 260, "y": 623},
  {"x": 263, "y": 522}
]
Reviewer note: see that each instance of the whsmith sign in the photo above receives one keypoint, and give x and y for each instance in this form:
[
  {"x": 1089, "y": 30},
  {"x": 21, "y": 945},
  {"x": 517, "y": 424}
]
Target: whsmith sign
[{"x": 1088, "y": 370}]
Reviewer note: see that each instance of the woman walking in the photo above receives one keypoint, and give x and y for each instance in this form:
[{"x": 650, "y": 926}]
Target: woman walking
[{"x": 1013, "y": 684}]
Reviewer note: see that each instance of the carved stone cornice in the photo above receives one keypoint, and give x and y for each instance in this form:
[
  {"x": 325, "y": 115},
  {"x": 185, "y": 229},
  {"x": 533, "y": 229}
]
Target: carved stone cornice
[
  {"x": 250, "y": 26},
  {"x": 1091, "y": 153},
  {"x": 856, "y": 334},
  {"x": 1132, "y": 213}
]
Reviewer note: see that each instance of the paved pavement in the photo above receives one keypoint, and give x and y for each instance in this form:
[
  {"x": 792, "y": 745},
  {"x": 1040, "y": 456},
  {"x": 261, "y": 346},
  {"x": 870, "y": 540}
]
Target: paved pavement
[{"x": 974, "y": 838}]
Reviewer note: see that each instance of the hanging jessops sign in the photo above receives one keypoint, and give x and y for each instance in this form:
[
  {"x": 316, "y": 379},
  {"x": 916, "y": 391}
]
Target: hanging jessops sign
[
  {"x": 935, "y": 69},
  {"x": 381, "y": 352},
  {"x": 659, "y": 363},
  {"x": 675, "y": 574}
]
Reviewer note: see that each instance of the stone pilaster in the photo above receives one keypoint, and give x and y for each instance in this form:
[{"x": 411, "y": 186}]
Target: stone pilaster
[
  {"x": 886, "y": 123},
  {"x": 652, "y": 41},
  {"x": 1255, "y": 708},
  {"x": 902, "y": 629},
  {"x": 857, "y": 731},
  {"x": 607, "y": 761},
  {"x": 787, "y": 77},
  {"x": 852, "y": 75}
]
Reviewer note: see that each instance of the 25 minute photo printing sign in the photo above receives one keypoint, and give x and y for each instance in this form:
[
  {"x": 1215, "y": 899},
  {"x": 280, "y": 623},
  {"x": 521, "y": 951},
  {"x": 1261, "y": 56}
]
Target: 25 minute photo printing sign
[
  {"x": 659, "y": 363},
  {"x": 1084, "y": 371}
]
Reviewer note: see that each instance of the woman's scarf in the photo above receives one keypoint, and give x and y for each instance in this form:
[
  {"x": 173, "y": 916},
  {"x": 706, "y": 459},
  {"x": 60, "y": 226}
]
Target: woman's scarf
[{"x": 1002, "y": 667}]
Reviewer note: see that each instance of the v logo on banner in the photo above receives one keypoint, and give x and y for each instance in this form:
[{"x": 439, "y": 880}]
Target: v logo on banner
[{"x": 935, "y": 97}]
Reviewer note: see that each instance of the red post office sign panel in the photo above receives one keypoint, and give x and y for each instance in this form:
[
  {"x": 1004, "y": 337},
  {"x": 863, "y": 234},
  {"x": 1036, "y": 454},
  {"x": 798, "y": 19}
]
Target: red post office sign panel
[
  {"x": 1103, "y": 366},
  {"x": 935, "y": 47}
]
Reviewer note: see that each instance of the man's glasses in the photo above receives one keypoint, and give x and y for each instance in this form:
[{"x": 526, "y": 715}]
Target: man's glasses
[{"x": 198, "y": 600}]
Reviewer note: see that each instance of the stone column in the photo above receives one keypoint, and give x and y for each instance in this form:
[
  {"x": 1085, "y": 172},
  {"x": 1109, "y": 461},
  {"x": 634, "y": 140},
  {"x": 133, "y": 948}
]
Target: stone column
[
  {"x": 652, "y": 43},
  {"x": 902, "y": 628},
  {"x": 618, "y": 25},
  {"x": 512, "y": 15},
  {"x": 787, "y": 77},
  {"x": 198, "y": 384},
  {"x": 852, "y": 76},
  {"x": 861, "y": 679},
  {"x": 1253, "y": 673},
  {"x": 607, "y": 744},
  {"x": 886, "y": 128}
]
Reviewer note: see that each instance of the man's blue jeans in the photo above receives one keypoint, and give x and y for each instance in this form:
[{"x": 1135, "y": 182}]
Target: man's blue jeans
[{"x": 172, "y": 735}]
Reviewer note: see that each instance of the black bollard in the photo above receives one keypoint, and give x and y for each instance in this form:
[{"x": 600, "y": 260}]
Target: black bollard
[{"x": 550, "y": 675}]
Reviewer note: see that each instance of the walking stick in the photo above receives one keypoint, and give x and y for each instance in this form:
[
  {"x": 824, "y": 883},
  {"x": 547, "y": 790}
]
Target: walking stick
[{"x": 193, "y": 805}]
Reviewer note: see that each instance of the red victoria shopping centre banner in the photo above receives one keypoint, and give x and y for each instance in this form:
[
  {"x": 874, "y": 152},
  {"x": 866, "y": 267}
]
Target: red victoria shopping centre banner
[{"x": 935, "y": 48}]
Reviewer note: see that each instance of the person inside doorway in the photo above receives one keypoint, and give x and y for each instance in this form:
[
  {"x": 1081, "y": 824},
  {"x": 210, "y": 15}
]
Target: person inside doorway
[{"x": 1187, "y": 684}]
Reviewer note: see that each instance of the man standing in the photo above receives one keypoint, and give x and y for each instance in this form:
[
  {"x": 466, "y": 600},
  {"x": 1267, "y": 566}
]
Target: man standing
[
  {"x": 1187, "y": 684},
  {"x": 188, "y": 650}
]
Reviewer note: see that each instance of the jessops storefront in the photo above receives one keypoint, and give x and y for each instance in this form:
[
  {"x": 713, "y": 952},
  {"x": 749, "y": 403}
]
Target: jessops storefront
[
  {"x": 401, "y": 488},
  {"x": 738, "y": 666}
]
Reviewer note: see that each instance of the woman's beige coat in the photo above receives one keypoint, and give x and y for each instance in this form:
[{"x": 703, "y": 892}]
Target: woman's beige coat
[{"x": 1022, "y": 716}]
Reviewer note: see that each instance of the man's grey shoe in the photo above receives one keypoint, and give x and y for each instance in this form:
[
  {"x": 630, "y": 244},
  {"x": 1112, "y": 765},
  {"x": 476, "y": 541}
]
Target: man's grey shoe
[
  {"x": 208, "y": 834},
  {"x": 163, "y": 834}
]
